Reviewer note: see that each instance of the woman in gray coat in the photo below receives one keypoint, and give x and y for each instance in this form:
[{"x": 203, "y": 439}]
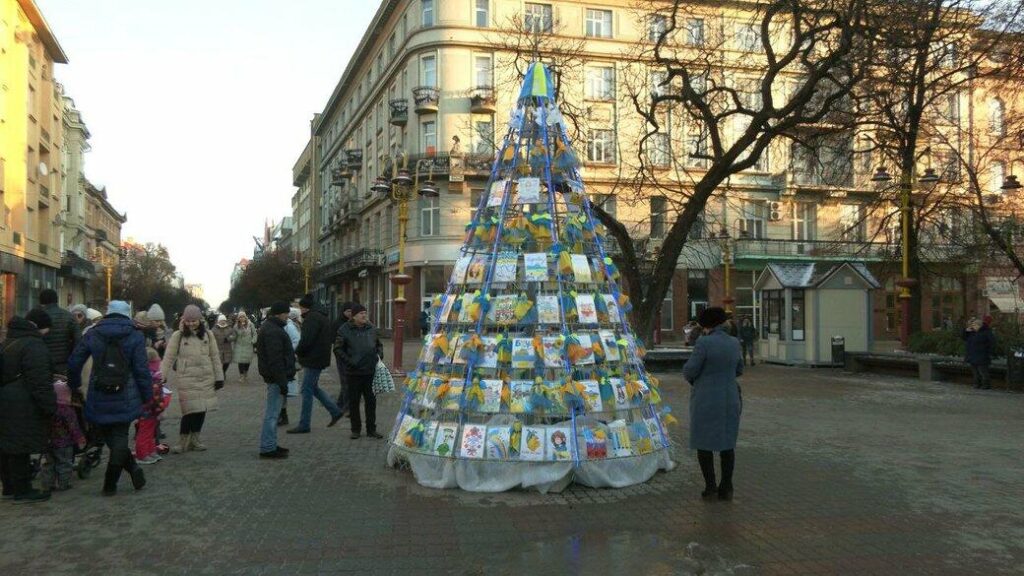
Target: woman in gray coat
[{"x": 715, "y": 401}]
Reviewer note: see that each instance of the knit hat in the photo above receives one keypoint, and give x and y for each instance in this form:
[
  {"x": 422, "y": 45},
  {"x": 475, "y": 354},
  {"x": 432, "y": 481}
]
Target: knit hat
[
  {"x": 346, "y": 306},
  {"x": 119, "y": 307},
  {"x": 357, "y": 308},
  {"x": 222, "y": 319},
  {"x": 92, "y": 314},
  {"x": 307, "y": 301},
  {"x": 78, "y": 308},
  {"x": 712, "y": 317},
  {"x": 156, "y": 313},
  {"x": 279, "y": 308},
  {"x": 191, "y": 313},
  {"x": 40, "y": 318},
  {"x": 63, "y": 392}
]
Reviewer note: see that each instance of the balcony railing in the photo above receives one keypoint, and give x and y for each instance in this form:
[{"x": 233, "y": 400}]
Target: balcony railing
[
  {"x": 426, "y": 99},
  {"x": 482, "y": 101},
  {"x": 354, "y": 158},
  {"x": 351, "y": 262},
  {"x": 424, "y": 165},
  {"x": 74, "y": 266},
  {"x": 778, "y": 249},
  {"x": 399, "y": 111}
]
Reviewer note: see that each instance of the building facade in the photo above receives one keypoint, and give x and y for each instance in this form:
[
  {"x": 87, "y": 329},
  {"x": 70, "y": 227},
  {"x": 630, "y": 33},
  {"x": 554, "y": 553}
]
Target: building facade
[
  {"x": 77, "y": 271},
  {"x": 102, "y": 239},
  {"x": 430, "y": 87}
]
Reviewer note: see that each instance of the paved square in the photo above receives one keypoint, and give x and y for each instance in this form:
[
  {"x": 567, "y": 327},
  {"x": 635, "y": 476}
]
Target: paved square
[{"x": 835, "y": 474}]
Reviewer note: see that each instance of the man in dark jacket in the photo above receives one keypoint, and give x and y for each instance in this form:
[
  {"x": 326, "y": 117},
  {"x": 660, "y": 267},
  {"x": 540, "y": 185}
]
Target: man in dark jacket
[
  {"x": 980, "y": 344},
  {"x": 113, "y": 410},
  {"x": 358, "y": 351},
  {"x": 346, "y": 316},
  {"x": 277, "y": 367},
  {"x": 314, "y": 353},
  {"x": 63, "y": 336},
  {"x": 747, "y": 337},
  {"x": 27, "y": 404}
]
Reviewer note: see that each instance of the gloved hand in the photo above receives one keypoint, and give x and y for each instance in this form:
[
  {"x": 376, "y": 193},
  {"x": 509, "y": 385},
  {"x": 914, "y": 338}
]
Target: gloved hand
[
  {"x": 218, "y": 384},
  {"x": 283, "y": 387}
]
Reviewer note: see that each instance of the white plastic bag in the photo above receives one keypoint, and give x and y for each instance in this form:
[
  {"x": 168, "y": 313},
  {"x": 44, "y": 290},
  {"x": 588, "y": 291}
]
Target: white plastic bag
[{"x": 382, "y": 380}]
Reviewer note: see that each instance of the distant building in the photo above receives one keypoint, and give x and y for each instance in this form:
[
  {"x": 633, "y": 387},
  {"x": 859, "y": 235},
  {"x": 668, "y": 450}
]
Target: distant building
[
  {"x": 236, "y": 272},
  {"x": 103, "y": 234}
]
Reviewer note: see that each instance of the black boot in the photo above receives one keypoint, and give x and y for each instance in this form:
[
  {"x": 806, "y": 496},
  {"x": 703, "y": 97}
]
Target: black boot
[
  {"x": 282, "y": 418},
  {"x": 110, "y": 480},
  {"x": 728, "y": 458},
  {"x": 706, "y": 459}
]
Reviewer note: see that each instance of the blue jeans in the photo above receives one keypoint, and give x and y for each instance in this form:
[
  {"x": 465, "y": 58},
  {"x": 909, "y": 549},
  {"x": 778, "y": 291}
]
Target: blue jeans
[
  {"x": 268, "y": 436},
  {"x": 311, "y": 388}
]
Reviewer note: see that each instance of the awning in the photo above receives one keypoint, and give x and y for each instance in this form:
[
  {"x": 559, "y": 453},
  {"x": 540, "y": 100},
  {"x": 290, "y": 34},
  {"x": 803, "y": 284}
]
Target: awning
[{"x": 1007, "y": 304}]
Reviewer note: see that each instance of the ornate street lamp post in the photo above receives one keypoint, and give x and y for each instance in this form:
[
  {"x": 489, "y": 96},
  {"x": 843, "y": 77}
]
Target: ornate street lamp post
[
  {"x": 107, "y": 261},
  {"x": 308, "y": 263}
]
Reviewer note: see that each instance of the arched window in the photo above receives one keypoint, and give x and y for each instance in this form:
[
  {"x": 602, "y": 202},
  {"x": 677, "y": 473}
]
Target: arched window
[
  {"x": 997, "y": 177},
  {"x": 996, "y": 116}
]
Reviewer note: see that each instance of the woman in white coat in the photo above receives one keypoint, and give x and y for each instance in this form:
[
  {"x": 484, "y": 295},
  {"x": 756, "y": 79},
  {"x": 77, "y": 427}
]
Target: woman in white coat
[
  {"x": 292, "y": 328},
  {"x": 192, "y": 366}
]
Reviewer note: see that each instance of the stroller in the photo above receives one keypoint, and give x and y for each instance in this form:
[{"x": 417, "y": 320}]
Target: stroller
[{"x": 89, "y": 457}]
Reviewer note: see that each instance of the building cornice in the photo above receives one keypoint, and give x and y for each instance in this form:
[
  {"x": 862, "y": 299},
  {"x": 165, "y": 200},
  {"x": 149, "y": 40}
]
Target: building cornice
[{"x": 53, "y": 47}]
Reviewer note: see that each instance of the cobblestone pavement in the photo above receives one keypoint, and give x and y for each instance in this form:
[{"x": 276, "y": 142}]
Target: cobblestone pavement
[{"x": 836, "y": 474}]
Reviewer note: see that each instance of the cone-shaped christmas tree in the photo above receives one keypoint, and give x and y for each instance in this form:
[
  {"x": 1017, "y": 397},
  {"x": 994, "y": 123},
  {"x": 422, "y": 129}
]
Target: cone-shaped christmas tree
[{"x": 530, "y": 375}]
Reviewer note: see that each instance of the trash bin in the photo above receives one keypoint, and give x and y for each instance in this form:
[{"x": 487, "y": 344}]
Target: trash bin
[
  {"x": 838, "y": 350},
  {"x": 1015, "y": 369}
]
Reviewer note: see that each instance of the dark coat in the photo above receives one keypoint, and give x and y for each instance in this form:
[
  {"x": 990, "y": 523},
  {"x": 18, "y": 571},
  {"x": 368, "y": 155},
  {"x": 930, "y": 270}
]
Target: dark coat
[
  {"x": 126, "y": 405},
  {"x": 62, "y": 337},
  {"x": 27, "y": 399},
  {"x": 314, "y": 349},
  {"x": 274, "y": 353},
  {"x": 358, "y": 349},
  {"x": 715, "y": 402},
  {"x": 748, "y": 334},
  {"x": 980, "y": 345}
]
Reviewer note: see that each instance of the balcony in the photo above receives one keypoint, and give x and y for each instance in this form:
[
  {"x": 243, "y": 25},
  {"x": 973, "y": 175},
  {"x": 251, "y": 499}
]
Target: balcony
[
  {"x": 350, "y": 263},
  {"x": 399, "y": 111},
  {"x": 482, "y": 101},
  {"x": 354, "y": 158},
  {"x": 426, "y": 99},
  {"x": 74, "y": 266}
]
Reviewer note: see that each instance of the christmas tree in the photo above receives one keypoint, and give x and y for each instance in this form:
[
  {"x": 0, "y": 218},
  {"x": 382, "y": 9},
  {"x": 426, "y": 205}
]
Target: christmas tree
[{"x": 530, "y": 375}]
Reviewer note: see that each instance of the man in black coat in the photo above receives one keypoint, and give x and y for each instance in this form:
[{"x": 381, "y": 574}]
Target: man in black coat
[
  {"x": 314, "y": 353},
  {"x": 346, "y": 316},
  {"x": 358, "y": 350},
  {"x": 27, "y": 404},
  {"x": 981, "y": 342},
  {"x": 277, "y": 367},
  {"x": 64, "y": 333}
]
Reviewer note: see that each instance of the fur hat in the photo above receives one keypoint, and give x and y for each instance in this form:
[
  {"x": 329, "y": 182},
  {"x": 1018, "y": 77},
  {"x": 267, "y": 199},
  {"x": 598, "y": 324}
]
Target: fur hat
[
  {"x": 279, "y": 308},
  {"x": 40, "y": 318},
  {"x": 119, "y": 307},
  {"x": 192, "y": 312},
  {"x": 156, "y": 313}
]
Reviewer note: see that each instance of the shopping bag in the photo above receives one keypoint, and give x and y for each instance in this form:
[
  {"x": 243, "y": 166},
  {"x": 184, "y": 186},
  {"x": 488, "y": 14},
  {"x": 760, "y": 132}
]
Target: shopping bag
[{"x": 382, "y": 380}]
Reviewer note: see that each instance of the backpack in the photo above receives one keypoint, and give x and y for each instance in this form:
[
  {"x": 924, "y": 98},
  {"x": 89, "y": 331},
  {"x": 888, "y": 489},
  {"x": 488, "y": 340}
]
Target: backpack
[{"x": 110, "y": 373}]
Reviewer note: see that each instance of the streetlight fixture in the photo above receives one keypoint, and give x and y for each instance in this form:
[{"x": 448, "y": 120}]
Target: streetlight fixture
[
  {"x": 726, "y": 242},
  {"x": 929, "y": 177},
  {"x": 1010, "y": 184},
  {"x": 308, "y": 263},
  {"x": 107, "y": 261}
]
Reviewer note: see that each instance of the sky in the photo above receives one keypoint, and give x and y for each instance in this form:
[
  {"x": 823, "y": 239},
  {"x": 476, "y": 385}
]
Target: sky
[{"x": 198, "y": 110}]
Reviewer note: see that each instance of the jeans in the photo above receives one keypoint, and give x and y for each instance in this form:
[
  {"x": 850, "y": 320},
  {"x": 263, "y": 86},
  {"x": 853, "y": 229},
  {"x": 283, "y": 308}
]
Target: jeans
[
  {"x": 748, "y": 351},
  {"x": 311, "y": 388},
  {"x": 115, "y": 436},
  {"x": 15, "y": 474},
  {"x": 982, "y": 378},
  {"x": 268, "y": 435},
  {"x": 192, "y": 423},
  {"x": 58, "y": 465},
  {"x": 362, "y": 386}
]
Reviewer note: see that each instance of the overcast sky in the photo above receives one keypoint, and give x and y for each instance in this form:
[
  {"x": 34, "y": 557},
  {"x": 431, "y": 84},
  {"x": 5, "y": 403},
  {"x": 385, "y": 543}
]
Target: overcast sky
[{"x": 198, "y": 110}]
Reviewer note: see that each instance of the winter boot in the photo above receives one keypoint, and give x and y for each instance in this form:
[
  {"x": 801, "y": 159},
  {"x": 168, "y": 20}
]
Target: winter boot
[
  {"x": 282, "y": 418},
  {"x": 110, "y": 480},
  {"x": 196, "y": 444},
  {"x": 185, "y": 444},
  {"x": 706, "y": 459}
]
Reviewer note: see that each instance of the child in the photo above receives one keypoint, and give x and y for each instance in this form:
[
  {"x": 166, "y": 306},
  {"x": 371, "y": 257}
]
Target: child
[
  {"x": 145, "y": 429},
  {"x": 64, "y": 436}
]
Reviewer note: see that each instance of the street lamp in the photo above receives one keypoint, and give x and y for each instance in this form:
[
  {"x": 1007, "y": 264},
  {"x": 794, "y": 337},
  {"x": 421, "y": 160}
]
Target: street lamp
[
  {"x": 107, "y": 261},
  {"x": 725, "y": 240},
  {"x": 308, "y": 263}
]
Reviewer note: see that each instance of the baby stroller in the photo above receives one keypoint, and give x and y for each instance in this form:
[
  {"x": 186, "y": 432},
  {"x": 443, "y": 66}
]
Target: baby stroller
[{"x": 89, "y": 457}]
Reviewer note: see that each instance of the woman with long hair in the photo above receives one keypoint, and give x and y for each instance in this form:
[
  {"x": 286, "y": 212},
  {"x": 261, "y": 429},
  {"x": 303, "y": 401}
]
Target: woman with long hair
[
  {"x": 245, "y": 344},
  {"x": 192, "y": 365}
]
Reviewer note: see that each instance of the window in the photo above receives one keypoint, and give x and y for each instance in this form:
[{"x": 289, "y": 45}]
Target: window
[
  {"x": 600, "y": 83},
  {"x": 773, "y": 314},
  {"x": 748, "y": 38},
  {"x": 380, "y": 65},
  {"x": 391, "y": 46},
  {"x": 797, "y": 311},
  {"x": 658, "y": 209},
  {"x": 659, "y": 86},
  {"x": 482, "y": 13},
  {"x": 609, "y": 203},
  {"x": 697, "y": 147},
  {"x": 997, "y": 178},
  {"x": 428, "y": 13},
  {"x": 428, "y": 134},
  {"x": 666, "y": 309},
  {"x": 601, "y": 146},
  {"x": 538, "y": 18},
  {"x": 599, "y": 23},
  {"x": 803, "y": 221},
  {"x": 658, "y": 150},
  {"x": 428, "y": 70},
  {"x": 695, "y": 32},
  {"x": 852, "y": 223},
  {"x": 389, "y": 225},
  {"x": 483, "y": 136},
  {"x": 996, "y": 117},
  {"x": 945, "y": 302},
  {"x": 752, "y": 218},
  {"x": 656, "y": 27},
  {"x": 483, "y": 71},
  {"x": 430, "y": 216}
]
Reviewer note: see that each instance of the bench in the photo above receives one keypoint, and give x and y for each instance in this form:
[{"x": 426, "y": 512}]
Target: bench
[
  {"x": 666, "y": 358},
  {"x": 928, "y": 368}
]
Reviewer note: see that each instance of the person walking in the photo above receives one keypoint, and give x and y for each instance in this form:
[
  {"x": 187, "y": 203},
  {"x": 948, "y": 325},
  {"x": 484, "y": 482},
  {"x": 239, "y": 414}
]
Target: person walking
[
  {"x": 192, "y": 365},
  {"x": 346, "y": 316},
  {"x": 225, "y": 335},
  {"x": 27, "y": 405},
  {"x": 276, "y": 365},
  {"x": 314, "y": 354},
  {"x": 245, "y": 341},
  {"x": 291, "y": 328},
  {"x": 119, "y": 384},
  {"x": 64, "y": 334},
  {"x": 715, "y": 401},
  {"x": 358, "y": 350},
  {"x": 78, "y": 315},
  {"x": 981, "y": 342},
  {"x": 747, "y": 336}
]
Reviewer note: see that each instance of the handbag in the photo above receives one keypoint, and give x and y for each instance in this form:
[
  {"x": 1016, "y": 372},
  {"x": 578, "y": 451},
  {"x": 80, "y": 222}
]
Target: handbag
[{"x": 382, "y": 380}]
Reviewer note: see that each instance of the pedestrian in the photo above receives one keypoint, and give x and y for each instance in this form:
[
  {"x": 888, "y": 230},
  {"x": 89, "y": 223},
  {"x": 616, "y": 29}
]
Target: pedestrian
[
  {"x": 981, "y": 342},
  {"x": 27, "y": 404},
  {"x": 192, "y": 365},
  {"x": 314, "y": 354},
  {"x": 424, "y": 322},
  {"x": 346, "y": 316},
  {"x": 65, "y": 435},
  {"x": 747, "y": 336},
  {"x": 225, "y": 335},
  {"x": 359, "y": 350},
  {"x": 277, "y": 367},
  {"x": 715, "y": 401},
  {"x": 78, "y": 315},
  {"x": 295, "y": 335},
  {"x": 146, "y": 429},
  {"x": 119, "y": 384},
  {"x": 63, "y": 336},
  {"x": 161, "y": 333},
  {"x": 245, "y": 342}
]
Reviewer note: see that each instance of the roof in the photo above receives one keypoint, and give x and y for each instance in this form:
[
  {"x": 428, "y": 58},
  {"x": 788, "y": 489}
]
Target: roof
[
  {"x": 811, "y": 275},
  {"x": 53, "y": 47}
]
